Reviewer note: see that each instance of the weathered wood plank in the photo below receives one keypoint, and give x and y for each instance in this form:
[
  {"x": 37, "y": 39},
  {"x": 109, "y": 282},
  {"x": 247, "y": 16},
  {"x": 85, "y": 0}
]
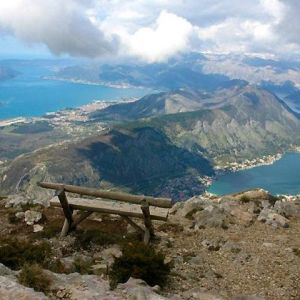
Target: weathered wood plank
[
  {"x": 136, "y": 199},
  {"x": 113, "y": 207}
]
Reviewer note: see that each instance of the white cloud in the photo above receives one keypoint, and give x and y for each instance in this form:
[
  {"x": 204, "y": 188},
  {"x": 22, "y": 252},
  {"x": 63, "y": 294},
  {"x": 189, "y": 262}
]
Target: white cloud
[
  {"x": 62, "y": 26},
  {"x": 154, "y": 30},
  {"x": 169, "y": 35}
]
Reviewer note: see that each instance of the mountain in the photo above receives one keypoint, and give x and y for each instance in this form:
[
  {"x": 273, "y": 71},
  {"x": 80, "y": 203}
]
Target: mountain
[
  {"x": 243, "y": 122},
  {"x": 294, "y": 100},
  {"x": 178, "y": 101},
  {"x": 166, "y": 145},
  {"x": 141, "y": 160}
]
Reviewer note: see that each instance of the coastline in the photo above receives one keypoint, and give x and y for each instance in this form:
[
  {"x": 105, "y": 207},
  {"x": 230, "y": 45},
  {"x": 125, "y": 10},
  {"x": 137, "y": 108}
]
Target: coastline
[{"x": 97, "y": 83}]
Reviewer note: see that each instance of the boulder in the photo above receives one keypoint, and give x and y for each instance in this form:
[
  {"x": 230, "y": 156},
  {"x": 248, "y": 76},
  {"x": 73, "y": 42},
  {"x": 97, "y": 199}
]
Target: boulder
[
  {"x": 212, "y": 216},
  {"x": 38, "y": 228},
  {"x": 137, "y": 289},
  {"x": 4, "y": 271},
  {"x": 272, "y": 218},
  {"x": 201, "y": 294},
  {"x": 17, "y": 201},
  {"x": 11, "y": 289},
  {"x": 248, "y": 297},
  {"x": 288, "y": 209}
]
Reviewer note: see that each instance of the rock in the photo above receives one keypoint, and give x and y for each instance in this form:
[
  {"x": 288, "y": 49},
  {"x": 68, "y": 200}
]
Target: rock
[
  {"x": 37, "y": 228},
  {"x": 288, "y": 209},
  {"x": 100, "y": 269},
  {"x": 68, "y": 264},
  {"x": 81, "y": 287},
  {"x": 20, "y": 215},
  {"x": 17, "y": 201},
  {"x": 248, "y": 297},
  {"x": 212, "y": 217},
  {"x": 270, "y": 217},
  {"x": 200, "y": 294},
  {"x": 137, "y": 289},
  {"x": 32, "y": 216},
  {"x": 11, "y": 289},
  {"x": 4, "y": 271}
]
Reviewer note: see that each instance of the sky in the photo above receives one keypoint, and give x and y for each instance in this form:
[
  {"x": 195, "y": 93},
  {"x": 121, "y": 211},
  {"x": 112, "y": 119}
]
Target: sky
[{"x": 149, "y": 30}]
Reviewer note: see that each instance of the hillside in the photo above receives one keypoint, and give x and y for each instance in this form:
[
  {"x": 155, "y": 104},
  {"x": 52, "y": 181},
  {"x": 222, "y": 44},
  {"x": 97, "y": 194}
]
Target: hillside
[
  {"x": 243, "y": 122},
  {"x": 171, "y": 149},
  {"x": 141, "y": 160},
  {"x": 243, "y": 246}
]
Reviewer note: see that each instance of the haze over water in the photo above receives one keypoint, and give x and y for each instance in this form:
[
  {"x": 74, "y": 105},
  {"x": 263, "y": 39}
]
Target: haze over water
[
  {"x": 30, "y": 95},
  {"x": 282, "y": 177}
]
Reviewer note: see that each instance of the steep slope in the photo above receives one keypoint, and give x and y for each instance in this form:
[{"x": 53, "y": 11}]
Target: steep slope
[
  {"x": 248, "y": 122},
  {"x": 142, "y": 160}
]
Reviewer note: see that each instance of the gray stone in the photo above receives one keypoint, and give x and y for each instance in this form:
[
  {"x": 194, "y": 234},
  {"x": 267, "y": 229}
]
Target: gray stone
[
  {"x": 38, "y": 228},
  {"x": 4, "y": 271},
  {"x": 201, "y": 294},
  {"x": 11, "y": 289},
  {"x": 288, "y": 209},
  {"x": 137, "y": 289},
  {"x": 216, "y": 217},
  {"x": 17, "y": 201},
  {"x": 270, "y": 217},
  {"x": 248, "y": 297},
  {"x": 100, "y": 269},
  {"x": 32, "y": 216}
]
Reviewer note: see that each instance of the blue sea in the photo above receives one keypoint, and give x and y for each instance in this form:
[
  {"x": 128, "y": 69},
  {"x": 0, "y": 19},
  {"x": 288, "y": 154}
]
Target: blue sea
[
  {"x": 282, "y": 177},
  {"x": 29, "y": 94}
]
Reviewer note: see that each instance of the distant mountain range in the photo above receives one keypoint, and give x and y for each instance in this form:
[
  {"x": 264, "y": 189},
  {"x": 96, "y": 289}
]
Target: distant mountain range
[{"x": 163, "y": 144}]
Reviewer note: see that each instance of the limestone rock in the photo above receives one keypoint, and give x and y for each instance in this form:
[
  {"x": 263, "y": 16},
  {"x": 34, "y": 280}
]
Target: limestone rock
[
  {"x": 137, "y": 289},
  {"x": 248, "y": 297},
  {"x": 288, "y": 209},
  {"x": 4, "y": 271},
  {"x": 32, "y": 216},
  {"x": 11, "y": 289},
  {"x": 17, "y": 201},
  {"x": 38, "y": 228},
  {"x": 270, "y": 217},
  {"x": 200, "y": 294}
]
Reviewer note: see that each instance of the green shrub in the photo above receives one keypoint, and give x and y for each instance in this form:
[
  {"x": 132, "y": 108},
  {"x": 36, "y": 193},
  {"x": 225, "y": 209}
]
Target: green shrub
[
  {"x": 139, "y": 261},
  {"x": 50, "y": 231},
  {"x": 82, "y": 266},
  {"x": 34, "y": 276},
  {"x": 15, "y": 253},
  {"x": 245, "y": 199}
]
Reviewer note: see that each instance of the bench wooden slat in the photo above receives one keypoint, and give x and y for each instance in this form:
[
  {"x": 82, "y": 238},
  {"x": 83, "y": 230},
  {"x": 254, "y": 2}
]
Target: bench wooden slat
[
  {"x": 111, "y": 207},
  {"x": 136, "y": 199}
]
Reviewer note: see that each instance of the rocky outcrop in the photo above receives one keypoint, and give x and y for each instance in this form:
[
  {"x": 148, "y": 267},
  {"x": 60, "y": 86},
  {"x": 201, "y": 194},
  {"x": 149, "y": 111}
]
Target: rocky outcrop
[
  {"x": 11, "y": 289},
  {"x": 242, "y": 208}
]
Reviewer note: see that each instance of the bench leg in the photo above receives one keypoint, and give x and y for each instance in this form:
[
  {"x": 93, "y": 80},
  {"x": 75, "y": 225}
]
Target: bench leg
[
  {"x": 68, "y": 212},
  {"x": 133, "y": 224},
  {"x": 149, "y": 230}
]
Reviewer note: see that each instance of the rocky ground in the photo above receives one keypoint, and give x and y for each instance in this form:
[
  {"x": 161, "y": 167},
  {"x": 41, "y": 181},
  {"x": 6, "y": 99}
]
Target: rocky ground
[{"x": 241, "y": 246}]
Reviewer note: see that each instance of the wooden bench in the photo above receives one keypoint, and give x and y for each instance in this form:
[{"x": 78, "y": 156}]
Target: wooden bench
[{"x": 122, "y": 204}]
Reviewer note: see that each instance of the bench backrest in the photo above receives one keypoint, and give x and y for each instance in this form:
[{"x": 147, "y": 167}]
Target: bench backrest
[{"x": 123, "y": 197}]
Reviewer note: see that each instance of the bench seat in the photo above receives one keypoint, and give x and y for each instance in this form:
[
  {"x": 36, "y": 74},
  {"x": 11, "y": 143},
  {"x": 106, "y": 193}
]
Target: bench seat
[{"x": 112, "y": 207}]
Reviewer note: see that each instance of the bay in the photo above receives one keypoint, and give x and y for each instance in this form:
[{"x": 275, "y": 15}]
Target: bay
[
  {"x": 282, "y": 177},
  {"x": 29, "y": 94}
]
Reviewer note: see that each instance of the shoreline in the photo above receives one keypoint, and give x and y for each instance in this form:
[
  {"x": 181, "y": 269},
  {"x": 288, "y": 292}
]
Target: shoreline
[{"x": 97, "y": 83}]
